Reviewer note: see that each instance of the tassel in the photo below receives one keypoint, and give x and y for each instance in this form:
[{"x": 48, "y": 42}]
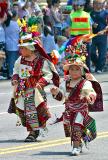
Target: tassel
[
  {"x": 18, "y": 123},
  {"x": 44, "y": 132}
]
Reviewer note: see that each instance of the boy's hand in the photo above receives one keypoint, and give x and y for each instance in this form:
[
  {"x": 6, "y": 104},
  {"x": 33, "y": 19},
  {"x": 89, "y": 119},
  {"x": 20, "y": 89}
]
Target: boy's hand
[
  {"x": 54, "y": 91},
  {"x": 38, "y": 86},
  {"x": 95, "y": 25},
  {"x": 15, "y": 88},
  {"x": 91, "y": 98},
  {"x": 14, "y": 83}
]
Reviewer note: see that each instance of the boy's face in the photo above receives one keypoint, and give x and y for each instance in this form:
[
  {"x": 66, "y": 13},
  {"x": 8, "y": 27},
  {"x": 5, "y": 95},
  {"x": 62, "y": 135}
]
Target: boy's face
[
  {"x": 59, "y": 42},
  {"x": 25, "y": 52},
  {"x": 16, "y": 8},
  {"x": 97, "y": 5},
  {"x": 75, "y": 72},
  {"x": 57, "y": 4},
  {"x": 79, "y": 7}
]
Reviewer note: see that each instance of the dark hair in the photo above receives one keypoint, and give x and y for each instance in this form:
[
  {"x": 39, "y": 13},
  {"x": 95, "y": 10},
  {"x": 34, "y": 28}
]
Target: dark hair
[
  {"x": 49, "y": 2},
  {"x": 47, "y": 31},
  {"x": 55, "y": 1},
  {"x": 7, "y": 22},
  {"x": 87, "y": 6},
  {"x": 15, "y": 4},
  {"x": 9, "y": 18},
  {"x": 47, "y": 20},
  {"x": 14, "y": 13}
]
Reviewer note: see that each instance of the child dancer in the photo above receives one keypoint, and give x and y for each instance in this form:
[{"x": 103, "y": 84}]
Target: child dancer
[
  {"x": 80, "y": 96},
  {"x": 32, "y": 72}
]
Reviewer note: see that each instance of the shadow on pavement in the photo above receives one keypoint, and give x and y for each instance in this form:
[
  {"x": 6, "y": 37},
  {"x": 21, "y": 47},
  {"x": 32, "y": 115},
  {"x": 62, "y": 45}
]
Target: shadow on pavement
[
  {"x": 17, "y": 141},
  {"x": 12, "y": 141},
  {"x": 50, "y": 153},
  {"x": 43, "y": 153}
]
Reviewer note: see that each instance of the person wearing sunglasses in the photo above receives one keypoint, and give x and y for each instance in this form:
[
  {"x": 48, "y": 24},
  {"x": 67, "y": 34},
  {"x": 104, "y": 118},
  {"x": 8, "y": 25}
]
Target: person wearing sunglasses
[{"x": 80, "y": 23}]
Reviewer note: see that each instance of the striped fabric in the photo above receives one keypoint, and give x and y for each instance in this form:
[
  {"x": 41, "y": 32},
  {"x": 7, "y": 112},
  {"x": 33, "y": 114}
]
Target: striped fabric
[
  {"x": 90, "y": 129},
  {"x": 30, "y": 110}
]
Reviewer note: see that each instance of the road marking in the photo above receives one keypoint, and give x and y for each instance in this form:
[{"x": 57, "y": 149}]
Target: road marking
[
  {"x": 6, "y": 93},
  {"x": 33, "y": 148},
  {"x": 3, "y": 113},
  {"x": 42, "y": 145},
  {"x": 46, "y": 142},
  {"x": 102, "y": 133},
  {"x": 37, "y": 144}
]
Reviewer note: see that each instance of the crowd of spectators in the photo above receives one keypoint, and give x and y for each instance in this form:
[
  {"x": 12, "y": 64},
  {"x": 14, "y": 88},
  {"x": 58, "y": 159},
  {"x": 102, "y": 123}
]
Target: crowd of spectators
[{"x": 54, "y": 31}]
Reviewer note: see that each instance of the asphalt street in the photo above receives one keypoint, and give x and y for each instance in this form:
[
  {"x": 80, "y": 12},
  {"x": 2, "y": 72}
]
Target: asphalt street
[{"x": 53, "y": 145}]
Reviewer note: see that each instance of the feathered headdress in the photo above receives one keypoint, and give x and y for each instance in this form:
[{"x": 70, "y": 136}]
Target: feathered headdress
[
  {"x": 3, "y": 8},
  {"x": 76, "y": 53},
  {"x": 30, "y": 38},
  {"x": 31, "y": 26},
  {"x": 76, "y": 46}
]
